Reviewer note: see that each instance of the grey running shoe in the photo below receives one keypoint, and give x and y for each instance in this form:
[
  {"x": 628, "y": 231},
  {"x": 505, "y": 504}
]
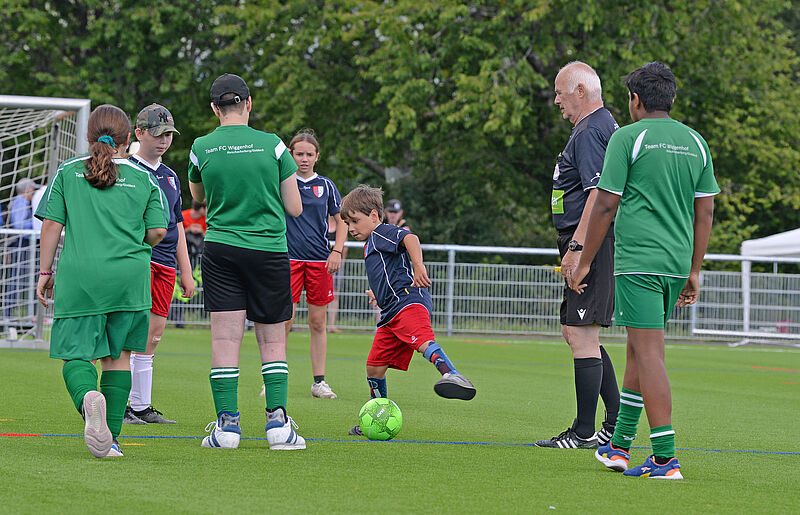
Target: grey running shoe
[
  {"x": 96, "y": 434},
  {"x": 355, "y": 431},
  {"x": 454, "y": 386},
  {"x": 604, "y": 435},
  {"x": 130, "y": 418},
  {"x": 151, "y": 415},
  {"x": 569, "y": 440},
  {"x": 322, "y": 390}
]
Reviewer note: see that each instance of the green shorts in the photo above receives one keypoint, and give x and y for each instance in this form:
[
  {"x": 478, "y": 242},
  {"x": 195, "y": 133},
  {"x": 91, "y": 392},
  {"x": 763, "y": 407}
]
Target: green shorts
[
  {"x": 645, "y": 301},
  {"x": 99, "y": 336}
]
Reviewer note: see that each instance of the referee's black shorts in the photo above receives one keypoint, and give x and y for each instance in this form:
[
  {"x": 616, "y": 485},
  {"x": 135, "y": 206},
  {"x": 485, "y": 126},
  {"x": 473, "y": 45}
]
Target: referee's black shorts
[
  {"x": 596, "y": 304},
  {"x": 257, "y": 281}
]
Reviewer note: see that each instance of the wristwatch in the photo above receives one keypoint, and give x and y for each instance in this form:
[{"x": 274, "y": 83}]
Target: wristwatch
[{"x": 574, "y": 246}]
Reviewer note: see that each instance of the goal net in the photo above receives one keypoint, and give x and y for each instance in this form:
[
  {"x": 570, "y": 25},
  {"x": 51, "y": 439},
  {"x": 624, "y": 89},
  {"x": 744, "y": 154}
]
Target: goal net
[{"x": 36, "y": 134}]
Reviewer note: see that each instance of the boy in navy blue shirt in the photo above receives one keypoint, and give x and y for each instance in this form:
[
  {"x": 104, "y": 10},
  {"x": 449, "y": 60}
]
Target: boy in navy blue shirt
[{"x": 405, "y": 324}]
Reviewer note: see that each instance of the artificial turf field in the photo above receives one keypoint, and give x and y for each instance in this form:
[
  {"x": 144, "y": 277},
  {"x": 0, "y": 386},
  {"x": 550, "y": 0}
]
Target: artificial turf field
[{"x": 736, "y": 413}]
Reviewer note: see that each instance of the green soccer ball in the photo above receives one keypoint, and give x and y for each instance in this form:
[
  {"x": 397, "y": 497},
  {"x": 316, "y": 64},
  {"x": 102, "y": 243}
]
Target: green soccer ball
[{"x": 380, "y": 419}]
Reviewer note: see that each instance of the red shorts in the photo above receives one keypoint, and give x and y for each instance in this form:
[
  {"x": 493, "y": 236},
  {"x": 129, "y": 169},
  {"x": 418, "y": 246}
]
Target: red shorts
[
  {"x": 312, "y": 276},
  {"x": 395, "y": 342},
  {"x": 162, "y": 287}
]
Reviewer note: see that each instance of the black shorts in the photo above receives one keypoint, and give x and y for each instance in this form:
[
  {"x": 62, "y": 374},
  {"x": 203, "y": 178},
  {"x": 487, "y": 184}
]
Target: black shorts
[
  {"x": 596, "y": 304},
  {"x": 257, "y": 281}
]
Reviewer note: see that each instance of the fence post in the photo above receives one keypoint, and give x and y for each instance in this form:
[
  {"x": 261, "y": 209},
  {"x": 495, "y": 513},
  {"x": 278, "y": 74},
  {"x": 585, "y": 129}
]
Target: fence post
[
  {"x": 746, "y": 296},
  {"x": 451, "y": 279}
]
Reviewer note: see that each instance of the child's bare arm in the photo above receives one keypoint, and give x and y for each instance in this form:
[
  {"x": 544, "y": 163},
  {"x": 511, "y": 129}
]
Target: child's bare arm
[{"x": 412, "y": 245}]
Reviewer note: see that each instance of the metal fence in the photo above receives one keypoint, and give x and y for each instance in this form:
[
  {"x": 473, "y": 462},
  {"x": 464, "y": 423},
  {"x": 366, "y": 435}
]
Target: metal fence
[{"x": 508, "y": 299}]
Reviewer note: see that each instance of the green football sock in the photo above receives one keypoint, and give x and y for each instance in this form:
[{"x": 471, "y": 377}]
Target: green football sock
[
  {"x": 225, "y": 389},
  {"x": 276, "y": 383},
  {"x": 630, "y": 409},
  {"x": 115, "y": 385},
  {"x": 80, "y": 377},
  {"x": 663, "y": 440}
]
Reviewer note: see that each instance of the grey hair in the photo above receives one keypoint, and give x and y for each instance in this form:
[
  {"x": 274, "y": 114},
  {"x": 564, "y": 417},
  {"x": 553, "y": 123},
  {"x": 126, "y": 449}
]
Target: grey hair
[{"x": 577, "y": 72}]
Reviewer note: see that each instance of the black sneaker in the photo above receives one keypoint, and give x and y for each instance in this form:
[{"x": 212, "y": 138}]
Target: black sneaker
[
  {"x": 355, "y": 431},
  {"x": 130, "y": 418},
  {"x": 569, "y": 440},
  {"x": 604, "y": 435},
  {"x": 152, "y": 416}
]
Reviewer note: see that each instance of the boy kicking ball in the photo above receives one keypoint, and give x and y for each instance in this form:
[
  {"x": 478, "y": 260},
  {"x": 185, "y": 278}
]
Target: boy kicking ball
[{"x": 405, "y": 323}]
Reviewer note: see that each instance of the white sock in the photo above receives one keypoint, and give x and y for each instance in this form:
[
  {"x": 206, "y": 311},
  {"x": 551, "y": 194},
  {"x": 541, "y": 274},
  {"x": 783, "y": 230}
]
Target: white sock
[{"x": 141, "y": 381}]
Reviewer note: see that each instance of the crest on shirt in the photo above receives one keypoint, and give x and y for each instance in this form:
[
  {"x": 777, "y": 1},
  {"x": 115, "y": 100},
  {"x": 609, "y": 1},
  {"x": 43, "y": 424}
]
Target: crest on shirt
[
  {"x": 172, "y": 183},
  {"x": 318, "y": 191}
]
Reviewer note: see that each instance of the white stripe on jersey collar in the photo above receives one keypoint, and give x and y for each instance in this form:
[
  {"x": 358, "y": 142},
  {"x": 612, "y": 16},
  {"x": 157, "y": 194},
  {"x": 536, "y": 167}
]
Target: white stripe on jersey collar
[
  {"x": 309, "y": 179},
  {"x": 144, "y": 161}
]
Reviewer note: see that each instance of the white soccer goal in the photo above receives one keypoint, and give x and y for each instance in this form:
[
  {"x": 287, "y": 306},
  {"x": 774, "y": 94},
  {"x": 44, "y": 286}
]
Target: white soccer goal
[{"x": 36, "y": 134}]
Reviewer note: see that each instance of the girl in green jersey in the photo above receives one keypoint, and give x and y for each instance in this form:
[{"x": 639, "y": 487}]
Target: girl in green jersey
[{"x": 112, "y": 213}]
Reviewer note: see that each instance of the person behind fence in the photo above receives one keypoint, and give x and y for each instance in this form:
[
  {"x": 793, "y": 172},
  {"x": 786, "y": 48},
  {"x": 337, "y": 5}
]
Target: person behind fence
[
  {"x": 248, "y": 178},
  {"x": 404, "y": 300},
  {"x": 312, "y": 259},
  {"x": 394, "y": 214},
  {"x": 578, "y": 167},
  {"x": 194, "y": 225},
  {"x": 155, "y": 128},
  {"x": 20, "y": 217},
  {"x": 659, "y": 173},
  {"x": 112, "y": 212}
]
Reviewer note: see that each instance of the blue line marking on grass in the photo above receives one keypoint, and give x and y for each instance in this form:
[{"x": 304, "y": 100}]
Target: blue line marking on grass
[{"x": 359, "y": 440}]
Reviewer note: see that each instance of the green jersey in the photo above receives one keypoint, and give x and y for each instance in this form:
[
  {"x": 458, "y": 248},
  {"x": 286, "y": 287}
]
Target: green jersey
[
  {"x": 105, "y": 263},
  {"x": 658, "y": 166},
  {"x": 241, "y": 170}
]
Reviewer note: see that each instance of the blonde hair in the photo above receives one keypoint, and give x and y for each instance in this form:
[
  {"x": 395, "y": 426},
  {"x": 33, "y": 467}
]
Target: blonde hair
[{"x": 363, "y": 199}]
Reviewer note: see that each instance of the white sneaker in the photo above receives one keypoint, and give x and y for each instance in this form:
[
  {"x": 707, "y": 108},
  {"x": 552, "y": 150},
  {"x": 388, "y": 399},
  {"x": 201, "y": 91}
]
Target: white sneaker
[
  {"x": 281, "y": 434},
  {"x": 96, "y": 433},
  {"x": 115, "y": 451},
  {"x": 225, "y": 432},
  {"x": 322, "y": 390},
  {"x": 263, "y": 391}
]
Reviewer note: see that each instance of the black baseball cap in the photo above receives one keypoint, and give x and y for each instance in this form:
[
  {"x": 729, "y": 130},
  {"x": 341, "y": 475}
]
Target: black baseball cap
[
  {"x": 394, "y": 206},
  {"x": 229, "y": 83}
]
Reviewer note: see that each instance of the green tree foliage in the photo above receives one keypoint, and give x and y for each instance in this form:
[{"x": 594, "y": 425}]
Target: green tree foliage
[{"x": 447, "y": 104}]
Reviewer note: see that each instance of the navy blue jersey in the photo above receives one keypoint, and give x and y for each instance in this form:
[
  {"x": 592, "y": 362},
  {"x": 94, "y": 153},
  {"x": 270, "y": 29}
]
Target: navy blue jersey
[
  {"x": 307, "y": 235},
  {"x": 578, "y": 167},
  {"x": 164, "y": 253},
  {"x": 389, "y": 272}
]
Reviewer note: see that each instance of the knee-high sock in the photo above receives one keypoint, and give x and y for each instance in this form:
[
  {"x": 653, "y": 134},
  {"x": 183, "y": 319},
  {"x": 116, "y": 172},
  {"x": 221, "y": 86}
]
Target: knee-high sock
[
  {"x": 80, "y": 377},
  {"x": 609, "y": 390},
  {"x": 630, "y": 409},
  {"x": 435, "y": 354},
  {"x": 141, "y": 381},
  {"x": 377, "y": 387},
  {"x": 588, "y": 376},
  {"x": 115, "y": 385},
  {"x": 276, "y": 383},
  {"x": 225, "y": 389}
]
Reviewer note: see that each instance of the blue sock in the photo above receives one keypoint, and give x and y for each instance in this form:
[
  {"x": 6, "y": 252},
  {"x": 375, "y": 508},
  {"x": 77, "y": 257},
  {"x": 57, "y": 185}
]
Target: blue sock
[
  {"x": 377, "y": 387},
  {"x": 435, "y": 354}
]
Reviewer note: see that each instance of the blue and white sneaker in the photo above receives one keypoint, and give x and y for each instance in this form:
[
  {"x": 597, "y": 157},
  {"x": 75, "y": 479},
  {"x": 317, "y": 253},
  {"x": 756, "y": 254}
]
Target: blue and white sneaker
[
  {"x": 225, "y": 432},
  {"x": 115, "y": 451},
  {"x": 613, "y": 458},
  {"x": 651, "y": 469},
  {"x": 281, "y": 434}
]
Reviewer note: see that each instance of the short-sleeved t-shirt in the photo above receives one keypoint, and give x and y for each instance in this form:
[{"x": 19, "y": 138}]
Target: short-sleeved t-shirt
[
  {"x": 578, "y": 167},
  {"x": 307, "y": 235},
  {"x": 241, "y": 170},
  {"x": 658, "y": 166},
  {"x": 164, "y": 253},
  {"x": 105, "y": 264},
  {"x": 389, "y": 272}
]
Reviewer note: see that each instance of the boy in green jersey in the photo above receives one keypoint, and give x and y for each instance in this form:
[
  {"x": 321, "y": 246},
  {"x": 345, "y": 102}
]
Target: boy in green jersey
[
  {"x": 658, "y": 178},
  {"x": 112, "y": 212},
  {"x": 248, "y": 179}
]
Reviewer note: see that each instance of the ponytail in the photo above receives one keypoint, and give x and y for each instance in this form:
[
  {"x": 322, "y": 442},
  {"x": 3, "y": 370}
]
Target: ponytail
[{"x": 109, "y": 127}]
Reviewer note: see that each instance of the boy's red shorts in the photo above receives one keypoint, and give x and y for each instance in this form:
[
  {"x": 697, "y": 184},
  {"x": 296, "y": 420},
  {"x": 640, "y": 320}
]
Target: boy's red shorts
[
  {"x": 314, "y": 277},
  {"x": 395, "y": 342},
  {"x": 162, "y": 286}
]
